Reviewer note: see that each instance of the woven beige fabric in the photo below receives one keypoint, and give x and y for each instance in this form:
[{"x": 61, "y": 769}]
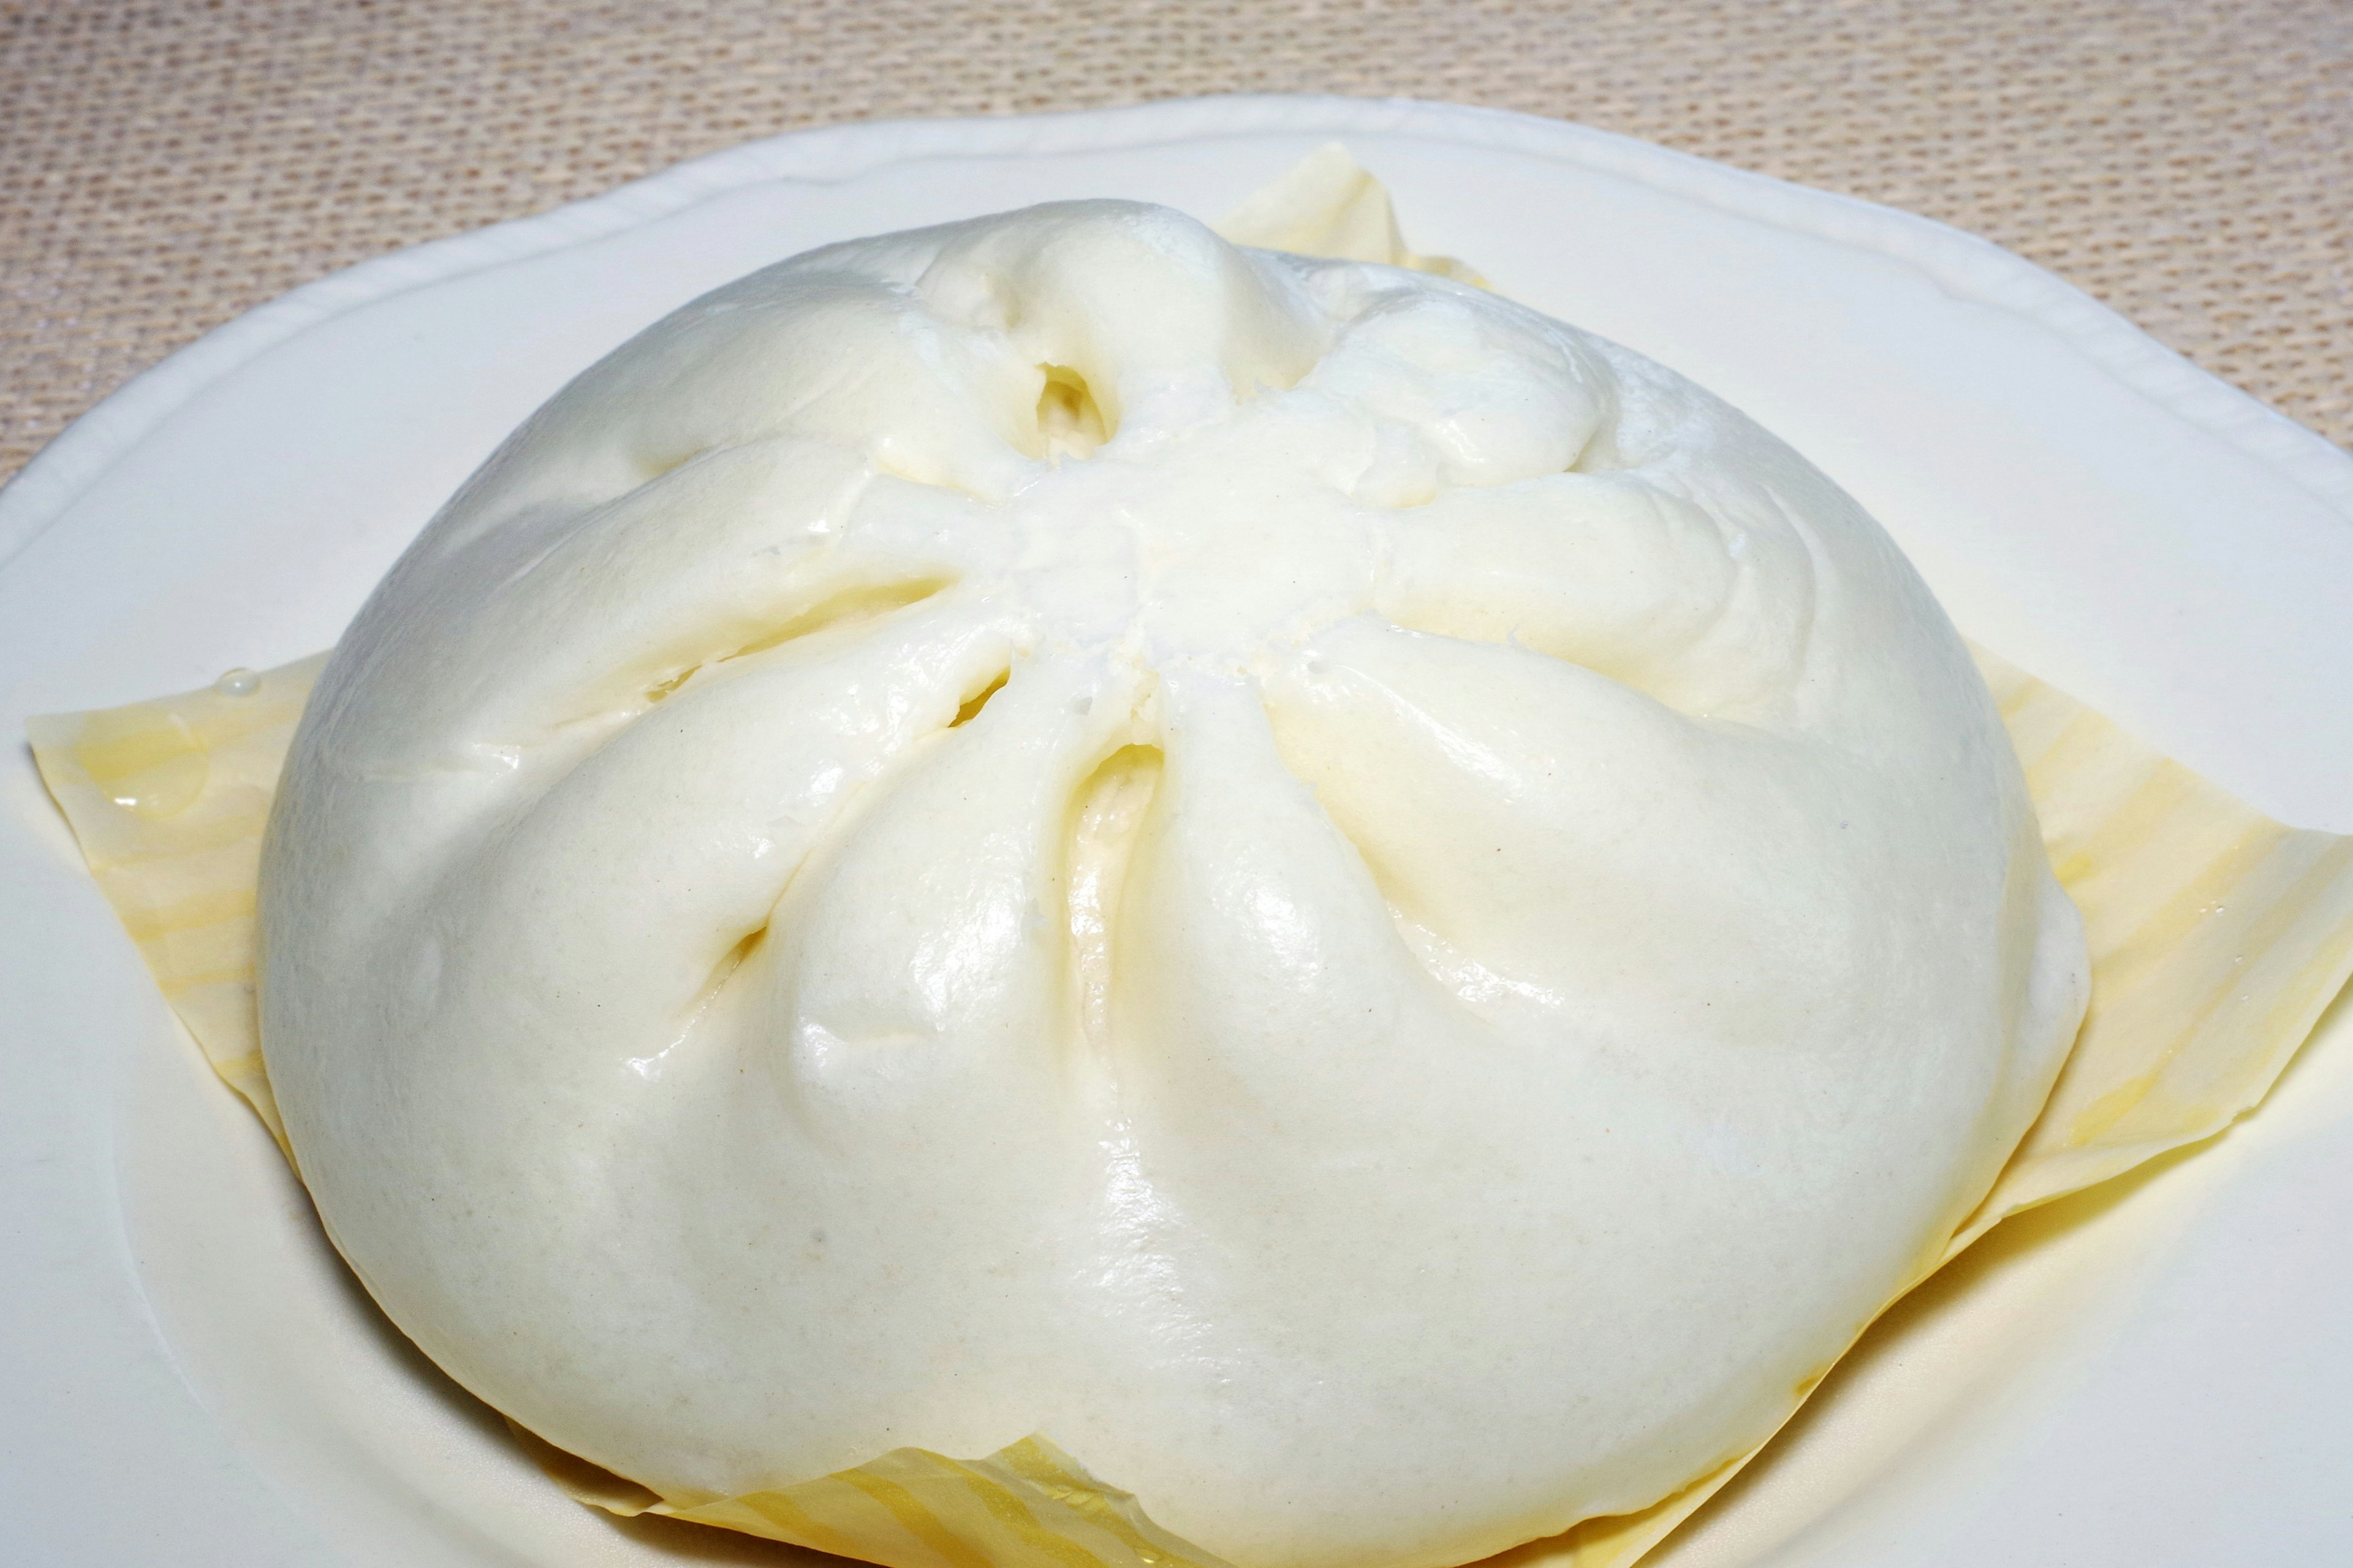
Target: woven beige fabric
[{"x": 163, "y": 167}]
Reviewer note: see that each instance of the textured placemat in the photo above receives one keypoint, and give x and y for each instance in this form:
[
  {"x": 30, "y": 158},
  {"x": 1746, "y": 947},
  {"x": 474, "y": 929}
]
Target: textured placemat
[{"x": 164, "y": 166}]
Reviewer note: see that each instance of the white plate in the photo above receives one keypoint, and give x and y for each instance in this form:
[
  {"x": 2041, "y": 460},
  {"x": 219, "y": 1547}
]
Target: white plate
[{"x": 186, "y": 1374}]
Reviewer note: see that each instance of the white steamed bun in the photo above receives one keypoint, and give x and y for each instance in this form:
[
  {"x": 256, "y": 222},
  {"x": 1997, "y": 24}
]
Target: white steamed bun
[{"x": 1376, "y": 915}]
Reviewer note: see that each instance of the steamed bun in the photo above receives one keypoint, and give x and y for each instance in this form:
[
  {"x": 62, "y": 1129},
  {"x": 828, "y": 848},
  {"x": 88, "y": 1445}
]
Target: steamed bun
[{"x": 1375, "y": 914}]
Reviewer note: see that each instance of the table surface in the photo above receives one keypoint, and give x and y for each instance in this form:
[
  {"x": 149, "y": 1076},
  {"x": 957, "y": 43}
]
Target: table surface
[{"x": 169, "y": 165}]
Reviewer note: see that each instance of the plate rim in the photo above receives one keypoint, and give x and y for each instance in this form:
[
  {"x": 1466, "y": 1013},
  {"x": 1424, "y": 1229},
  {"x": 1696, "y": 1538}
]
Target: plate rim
[{"x": 1962, "y": 264}]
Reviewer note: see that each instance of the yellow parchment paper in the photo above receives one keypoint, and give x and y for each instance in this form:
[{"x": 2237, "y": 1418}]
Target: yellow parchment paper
[
  {"x": 2216, "y": 939},
  {"x": 169, "y": 799}
]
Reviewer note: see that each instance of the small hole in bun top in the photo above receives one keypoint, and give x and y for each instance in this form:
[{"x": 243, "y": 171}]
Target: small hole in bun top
[{"x": 1070, "y": 424}]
